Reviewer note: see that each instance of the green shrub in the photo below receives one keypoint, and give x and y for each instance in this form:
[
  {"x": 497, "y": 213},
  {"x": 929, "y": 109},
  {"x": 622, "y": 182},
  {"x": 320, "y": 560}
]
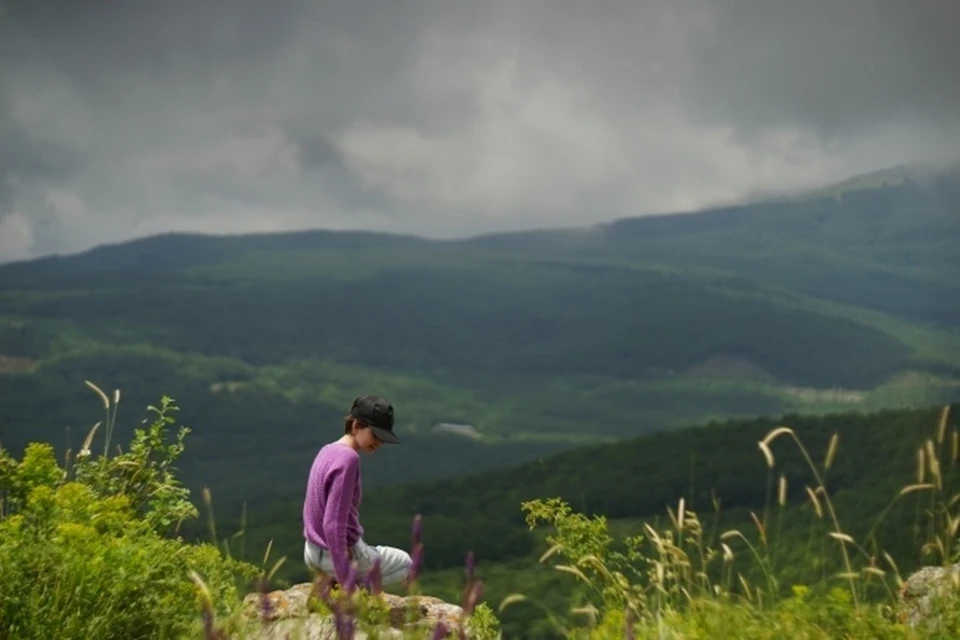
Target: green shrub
[
  {"x": 82, "y": 550},
  {"x": 144, "y": 473}
]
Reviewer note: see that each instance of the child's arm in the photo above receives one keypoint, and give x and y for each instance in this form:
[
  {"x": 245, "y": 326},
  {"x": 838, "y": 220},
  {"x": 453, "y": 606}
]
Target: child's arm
[{"x": 342, "y": 482}]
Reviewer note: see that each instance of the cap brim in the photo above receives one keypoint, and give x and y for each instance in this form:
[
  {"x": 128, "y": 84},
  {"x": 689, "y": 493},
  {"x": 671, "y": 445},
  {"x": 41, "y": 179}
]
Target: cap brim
[{"x": 386, "y": 436}]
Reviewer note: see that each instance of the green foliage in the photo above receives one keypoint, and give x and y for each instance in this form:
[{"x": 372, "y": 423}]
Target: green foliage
[
  {"x": 37, "y": 469},
  {"x": 74, "y": 565},
  {"x": 483, "y": 623},
  {"x": 680, "y": 581},
  {"x": 144, "y": 473},
  {"x": 82, "y": 553},
  {"x": 577, "y": 536},
  {"x": 800, "y": 616},
  {"x": 368, "y": 610}
]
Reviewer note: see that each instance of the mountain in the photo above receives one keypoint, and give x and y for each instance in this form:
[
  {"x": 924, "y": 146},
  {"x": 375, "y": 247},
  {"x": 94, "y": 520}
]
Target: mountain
[
  {"x": 922, "y": 174},
  {"x": 719, "y": 472},
  {"x": 640, "y": 477},
  {"x": 539, "y": 340}
]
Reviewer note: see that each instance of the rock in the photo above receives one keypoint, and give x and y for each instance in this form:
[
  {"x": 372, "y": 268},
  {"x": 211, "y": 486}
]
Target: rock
[
  {"x": 926, "y": 591},
  {"x": 278, "y": 613},
  {"x": 278, "y": 605},
  {"x": 312, "y": 627},
  {"x": 429, "y": 611}
]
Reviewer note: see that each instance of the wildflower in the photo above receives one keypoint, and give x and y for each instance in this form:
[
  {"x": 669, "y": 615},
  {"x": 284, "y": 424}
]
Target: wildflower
[
  {"x": 373, "y": 579},
  {"x": 629, "y": 621},
  {"x": 416, "y": 529},
  {"x": 417, "y": 558},
  {"x": 266, "y": 607},
  {"x": 349, "y": 585},
  {"x": 470, "y": 566},
  {"x": 473, "y": 597}
]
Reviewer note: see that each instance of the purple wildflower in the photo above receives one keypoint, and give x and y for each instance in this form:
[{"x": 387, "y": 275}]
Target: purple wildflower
[
  {"x": 351, "y": 582},
  {"x": 322, "y": 589},
  {"x": 440, "y": 631},
  {"x": 208, "y": 630},
  {"x": 346, "y": 626},
  {"x": 342, "y": 620},
  {"x": 473, "y": 597},
  {"x": 417, "y": 561},
  {"x": 374, "y": 578},
  {"x": 470, "y": 566},
  {"x": 416, "y": 550},
  {"x": 266, "y": 607},
  {"x": 416, "y": 529}
]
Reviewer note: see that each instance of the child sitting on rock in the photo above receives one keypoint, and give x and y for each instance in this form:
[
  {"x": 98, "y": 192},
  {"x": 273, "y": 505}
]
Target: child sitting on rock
[{"x": 331, "y": 522}]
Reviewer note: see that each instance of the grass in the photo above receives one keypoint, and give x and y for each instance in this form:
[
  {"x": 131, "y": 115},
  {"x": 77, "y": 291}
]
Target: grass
[{"x": 686, "y": 581}]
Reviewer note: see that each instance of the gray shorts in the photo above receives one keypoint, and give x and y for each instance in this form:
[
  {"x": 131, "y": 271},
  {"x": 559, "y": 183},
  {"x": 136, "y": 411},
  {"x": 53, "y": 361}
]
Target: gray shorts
[{"x": 394, "y": 563}]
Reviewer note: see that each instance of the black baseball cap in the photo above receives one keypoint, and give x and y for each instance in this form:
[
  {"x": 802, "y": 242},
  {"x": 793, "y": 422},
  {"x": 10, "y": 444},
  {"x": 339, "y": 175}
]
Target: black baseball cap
[{"x": 376, "y": 413}]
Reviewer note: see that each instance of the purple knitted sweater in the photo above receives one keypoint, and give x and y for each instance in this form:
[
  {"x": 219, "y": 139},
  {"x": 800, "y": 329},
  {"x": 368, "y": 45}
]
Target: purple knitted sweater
[{"x": 331, "y": 507}]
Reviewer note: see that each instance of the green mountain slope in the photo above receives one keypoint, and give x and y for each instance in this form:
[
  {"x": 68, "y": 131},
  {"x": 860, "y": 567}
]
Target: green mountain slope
[
  {"x": 640, "y": 477},
  {"x": 717, "y": 469},
  {"x": 892, "y": 248},
  {"x": 540, "y": 340}
]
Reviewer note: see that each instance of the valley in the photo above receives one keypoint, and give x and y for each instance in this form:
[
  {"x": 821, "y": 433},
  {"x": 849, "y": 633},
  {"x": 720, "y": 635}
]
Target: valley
[{"x": 540, "y": 341}]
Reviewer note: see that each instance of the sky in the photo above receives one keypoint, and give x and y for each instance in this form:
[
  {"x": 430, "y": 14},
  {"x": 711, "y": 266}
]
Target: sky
[{"x": 445, "y": 118}]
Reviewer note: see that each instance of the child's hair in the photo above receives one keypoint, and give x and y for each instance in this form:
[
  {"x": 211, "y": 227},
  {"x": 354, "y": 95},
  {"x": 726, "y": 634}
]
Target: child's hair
[{"x": 348, "y": 424}]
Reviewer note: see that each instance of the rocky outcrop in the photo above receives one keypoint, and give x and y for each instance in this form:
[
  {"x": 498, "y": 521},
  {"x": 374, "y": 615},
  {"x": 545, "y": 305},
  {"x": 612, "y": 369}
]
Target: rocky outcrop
[
  {"x": 293, "y": 613},
  {"x": 927, "y": 593}
]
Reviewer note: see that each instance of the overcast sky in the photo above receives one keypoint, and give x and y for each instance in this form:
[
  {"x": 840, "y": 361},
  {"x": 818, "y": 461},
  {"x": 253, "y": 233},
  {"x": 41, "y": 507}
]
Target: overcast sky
[{"x": 125, "y": 118}]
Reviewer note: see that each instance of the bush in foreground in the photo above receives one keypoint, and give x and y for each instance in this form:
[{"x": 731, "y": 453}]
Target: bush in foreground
[{"x": 85, "y": 550}]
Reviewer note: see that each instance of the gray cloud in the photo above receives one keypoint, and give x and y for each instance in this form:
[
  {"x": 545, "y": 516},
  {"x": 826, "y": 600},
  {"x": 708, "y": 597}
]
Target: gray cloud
[
  {"x": 836, "y": 68},
  {"x": 447, "y": 117}
]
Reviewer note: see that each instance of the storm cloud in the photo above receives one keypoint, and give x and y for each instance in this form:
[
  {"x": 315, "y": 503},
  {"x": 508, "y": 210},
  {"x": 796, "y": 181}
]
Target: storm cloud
[{"x": 447, "y": 117}]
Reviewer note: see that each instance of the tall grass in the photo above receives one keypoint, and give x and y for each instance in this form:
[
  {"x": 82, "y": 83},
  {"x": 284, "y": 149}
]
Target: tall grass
[{"x": 682, "y": 580}]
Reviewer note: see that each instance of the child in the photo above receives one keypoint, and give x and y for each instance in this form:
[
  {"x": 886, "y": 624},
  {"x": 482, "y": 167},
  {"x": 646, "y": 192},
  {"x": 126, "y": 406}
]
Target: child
[{"x": 331, "y": 522}]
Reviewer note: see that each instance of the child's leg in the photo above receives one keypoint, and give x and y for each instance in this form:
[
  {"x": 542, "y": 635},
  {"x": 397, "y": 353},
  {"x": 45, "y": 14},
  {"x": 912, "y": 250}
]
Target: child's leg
[
  {"x": 317, "y": 560},
  {"x": 395, "y": 563}
]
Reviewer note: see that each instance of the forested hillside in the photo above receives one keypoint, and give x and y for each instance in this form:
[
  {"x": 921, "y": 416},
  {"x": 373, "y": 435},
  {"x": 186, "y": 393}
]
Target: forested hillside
[
  {"x": 640, "y": 478},
  {"x": 540, "y": 340},
  {"x": 716, "y": 469}
]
